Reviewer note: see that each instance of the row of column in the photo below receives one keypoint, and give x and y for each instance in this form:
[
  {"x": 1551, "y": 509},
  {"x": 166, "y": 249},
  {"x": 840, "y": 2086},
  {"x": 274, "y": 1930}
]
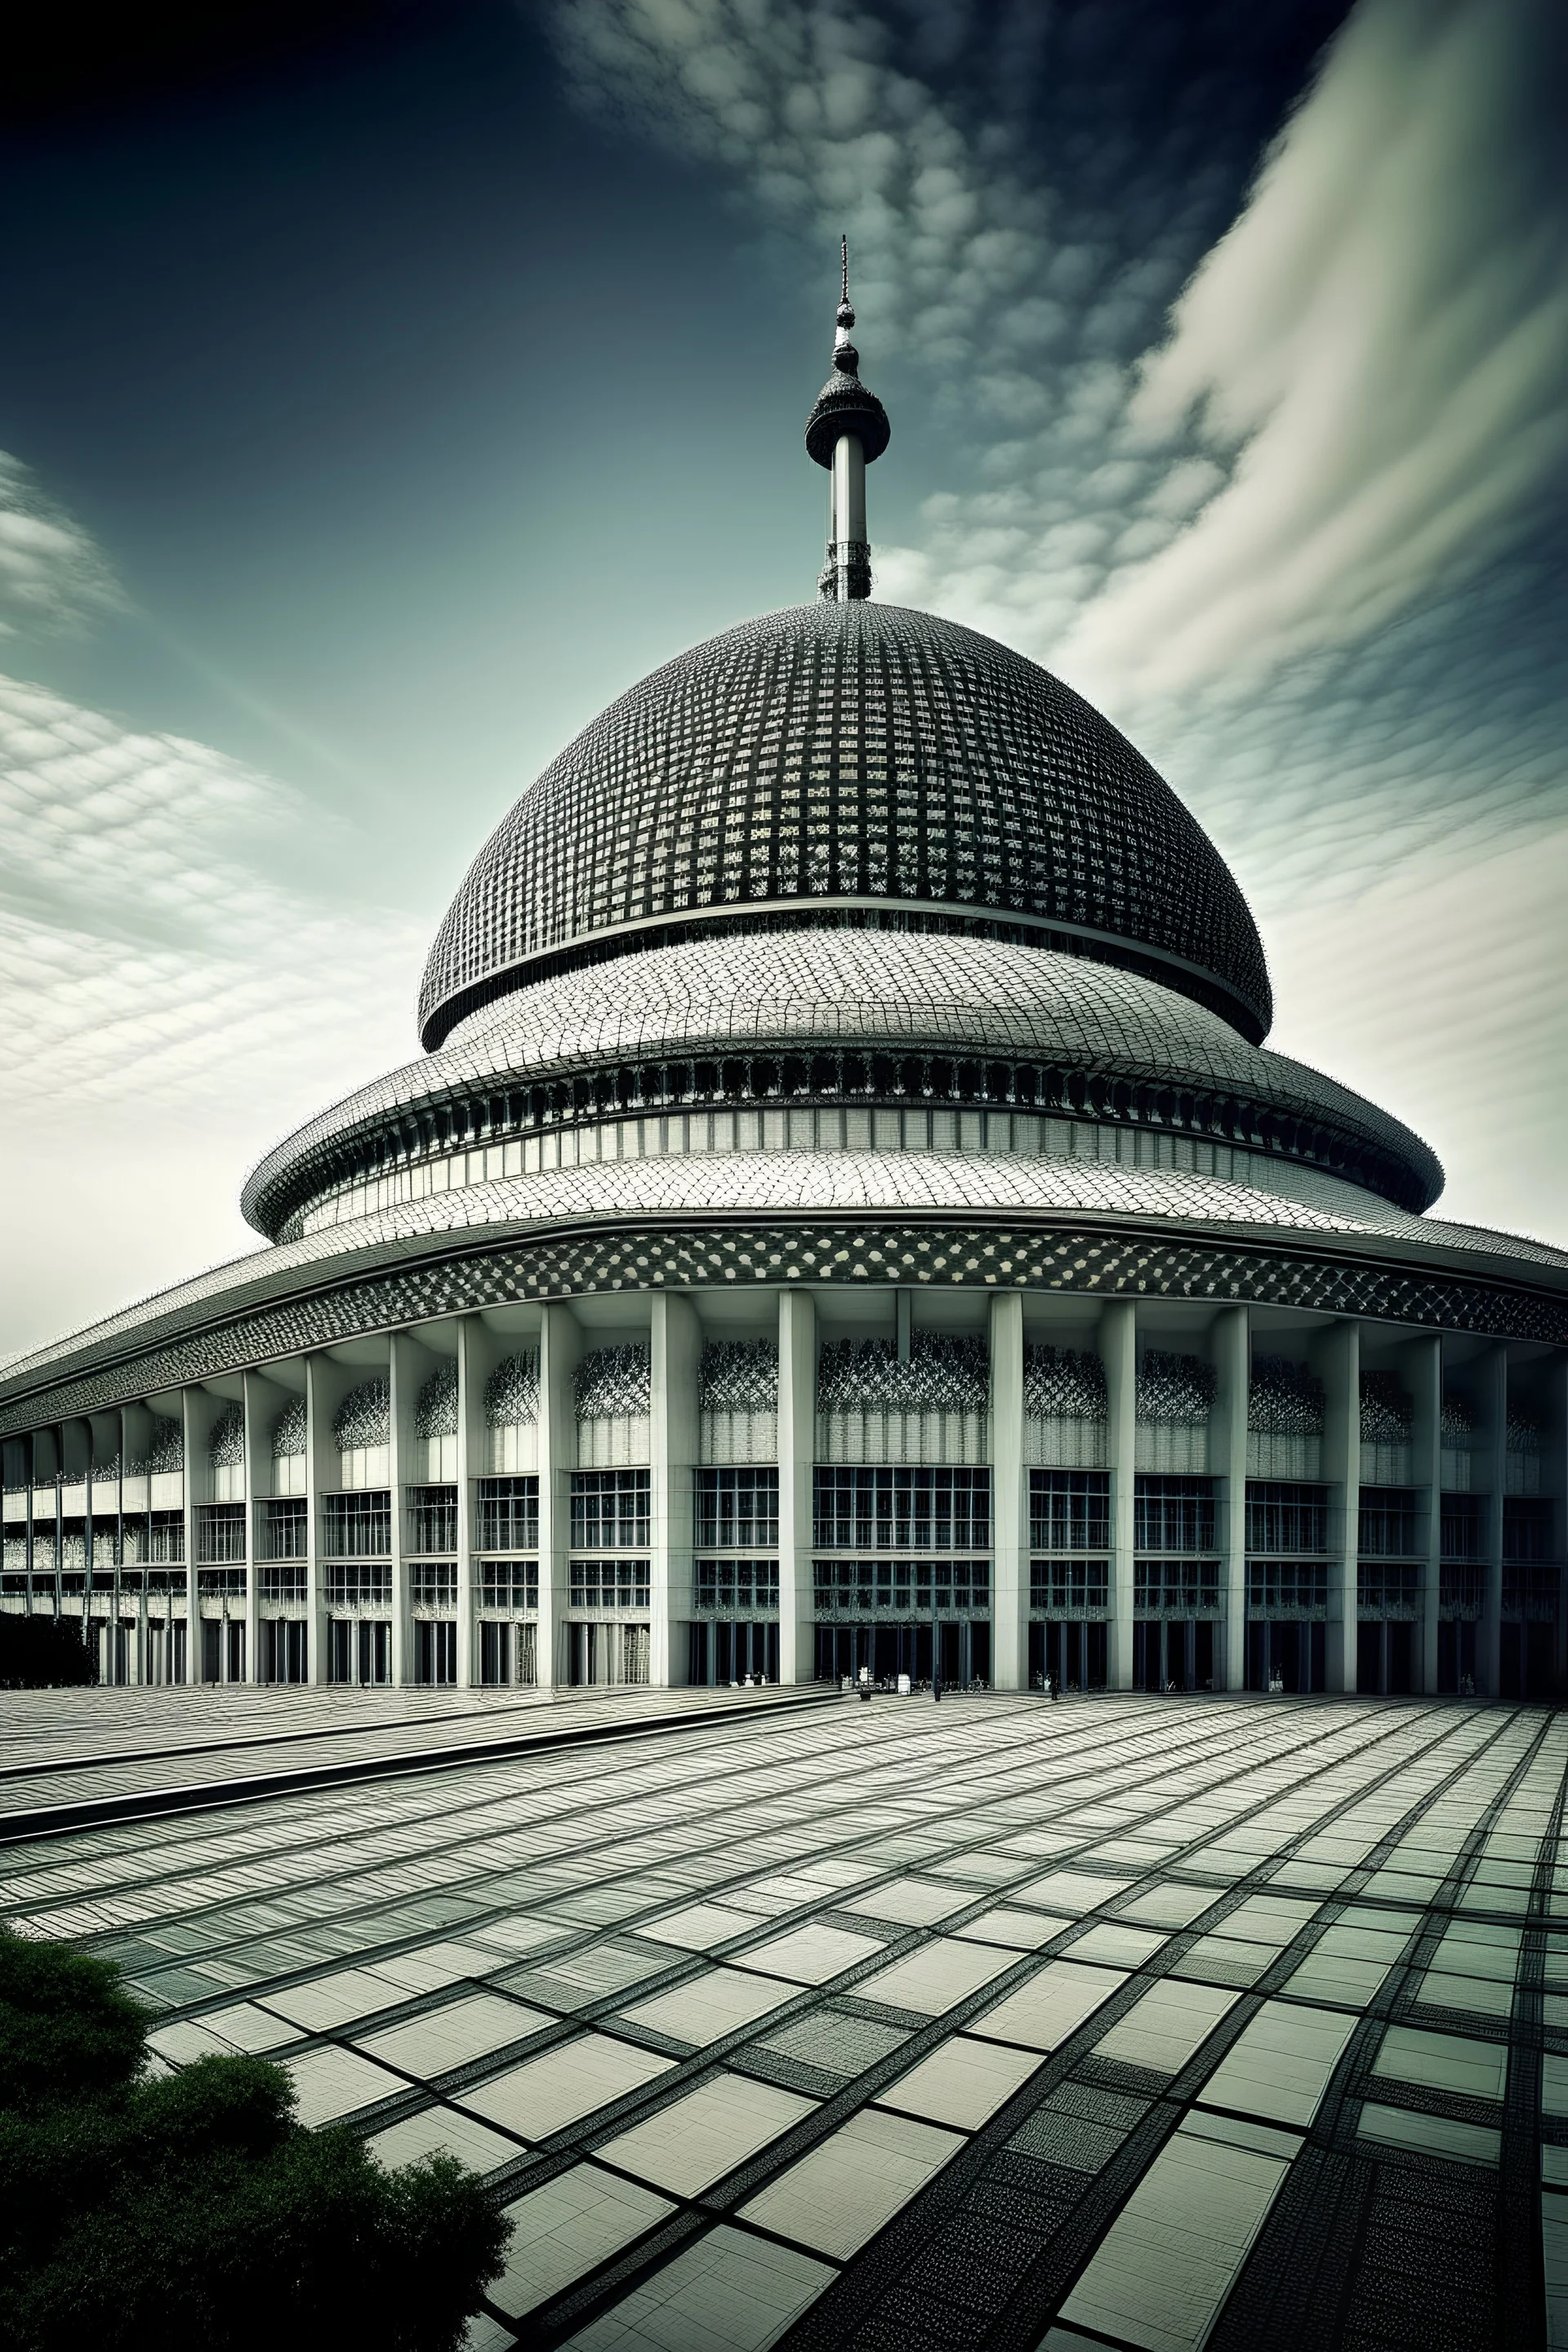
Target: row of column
[{"x": 676, "y": 1339}]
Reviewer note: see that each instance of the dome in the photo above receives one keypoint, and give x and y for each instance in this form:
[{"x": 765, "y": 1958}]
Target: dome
[{"x": 856, "y": 764}]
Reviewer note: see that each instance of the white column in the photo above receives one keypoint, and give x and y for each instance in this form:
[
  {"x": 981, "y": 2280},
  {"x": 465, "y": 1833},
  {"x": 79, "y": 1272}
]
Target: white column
[
  {"x": 560, "y": 1345},
  {"x": 675, "y": 1343},
  {"x": 473, "y": 1370},
  {"x": 1009, "y": 1497},
  {"x": 1338, "y": 1367},
  {"x": 322, "y": 1470},
  {"x": 263, "y": 1403},
  {"x": 407, "y": 1374},
  {"x": 195, "y": 1421},
  {"x": 1423, "y": 1371},
  {"x": 1233, "y": 1385},
  {"x": 797, "y": 1455},
  {"x": 1119, "y": 1352},
  {"x": 1488, "y": 1633}
]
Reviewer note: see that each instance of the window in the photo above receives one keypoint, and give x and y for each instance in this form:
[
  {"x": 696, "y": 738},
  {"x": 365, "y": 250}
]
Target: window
[
  {"x": 507, "y": 1516},
  {"x": 432, "y": 1518},
  {"x": 1461, "y": 1591},
  {"x": 508, "y": 1584},
  {"x": 433, "y": 1584},
  {"x": 1394, "y": 1592},
  {"x": 1285, "y": 1517},
  {"x": 1530, "y": 1592},
  {"x": 610, "y": 1507},
  {"x": 357, "y": 1527},
  {"x": 946, "y": 1510},
  {"x": 1287, "y": 1588},
  {"x": 1526, "y": 1529},
  {"x": 1173, "y": 1515},
  {"x": 1463, "y": 1527},
  {"x": 743, "y": 1586},
  {"x": 220, "y": 1531},
  {"x": 283, "y": 1583},
  {"x": 1069, "y": 1588},
  {"x": 359, "y": 1584},
  {"x": 1069, "y": 1510},
  {"x": 900, "y": 1587},
  {"x": 166, "y": 1537},
  {"x": 610, "y": 1584},
  {"x": 737, "y": 1508},
  {"x": 283, "y": 1529},
  {"x": 1175, "y": 1588},
  {"x": 220, "y": 1583},
  {"x": 1389, "y": 1525}
]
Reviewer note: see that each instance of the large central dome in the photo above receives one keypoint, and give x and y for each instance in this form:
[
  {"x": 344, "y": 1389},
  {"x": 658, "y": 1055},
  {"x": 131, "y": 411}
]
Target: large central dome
[{"x": 853, "y": 757}]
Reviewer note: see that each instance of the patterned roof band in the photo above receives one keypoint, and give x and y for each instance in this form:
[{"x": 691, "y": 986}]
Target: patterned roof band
[
  {"x": 1285, "y": 1400},
  {"x": 364, "y": 1416},
  {"x": 1063, "y": 1384},
  {"x": 614, "y": 1380},
  {"x": 1174, "y": 1388},
  {"x": 945, "y": 1373},
  {"x": 511, "y": 1392},
  {"x": 852, "y": 753},
  {"x": 435, "y": 1410}
]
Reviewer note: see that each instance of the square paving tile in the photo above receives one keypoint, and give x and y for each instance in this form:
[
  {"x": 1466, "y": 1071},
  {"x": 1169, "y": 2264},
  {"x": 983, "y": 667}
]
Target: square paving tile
[
  {"x": 844, "y": 2191},
  {"x": 963, "y": 2083},
  {"x": 559, "y": 2232},
  {"x": 705, "y": 2133},
  {"x": 728, "y": 2292},
  {"x": 541, "y": 2096}
]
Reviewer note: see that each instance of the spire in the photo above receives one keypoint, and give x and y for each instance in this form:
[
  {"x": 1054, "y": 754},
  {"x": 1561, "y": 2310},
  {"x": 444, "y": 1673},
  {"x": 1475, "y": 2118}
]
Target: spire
[{"x": 846, "y": 430}]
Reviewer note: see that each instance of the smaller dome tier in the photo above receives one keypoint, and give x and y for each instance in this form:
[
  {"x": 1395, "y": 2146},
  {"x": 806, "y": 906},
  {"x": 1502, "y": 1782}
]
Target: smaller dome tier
[
  {"x": 825, "y": 1015},
  {"x": 848, "y": 756}
]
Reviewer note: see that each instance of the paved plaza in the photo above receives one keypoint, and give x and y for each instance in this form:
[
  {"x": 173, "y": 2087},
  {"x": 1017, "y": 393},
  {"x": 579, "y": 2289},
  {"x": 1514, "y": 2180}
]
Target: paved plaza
[{"x": 1123, "y": 2021}]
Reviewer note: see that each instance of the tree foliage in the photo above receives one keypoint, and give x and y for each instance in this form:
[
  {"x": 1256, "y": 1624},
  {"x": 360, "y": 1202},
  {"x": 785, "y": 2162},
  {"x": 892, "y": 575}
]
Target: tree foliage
[
  {"x": 191, "y": 2212},
  {"x": 44, "y": 1653}
]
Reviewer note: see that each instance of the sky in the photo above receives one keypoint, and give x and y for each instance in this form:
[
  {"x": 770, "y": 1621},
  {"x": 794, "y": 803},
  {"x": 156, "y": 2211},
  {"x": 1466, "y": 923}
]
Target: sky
[{"x": 384, "y": 388}]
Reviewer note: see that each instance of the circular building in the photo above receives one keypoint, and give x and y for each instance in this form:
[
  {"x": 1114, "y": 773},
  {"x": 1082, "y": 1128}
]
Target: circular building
[{"x": 846, "y": 1218}]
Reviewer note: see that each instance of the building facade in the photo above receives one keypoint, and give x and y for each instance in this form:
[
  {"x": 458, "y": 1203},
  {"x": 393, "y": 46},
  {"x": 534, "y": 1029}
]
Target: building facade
[{"x": 844, "y": 1216}]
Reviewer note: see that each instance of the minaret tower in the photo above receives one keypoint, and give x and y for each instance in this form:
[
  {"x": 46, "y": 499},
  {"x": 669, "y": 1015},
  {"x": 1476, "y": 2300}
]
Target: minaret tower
[{"x": 846, "y": 432}]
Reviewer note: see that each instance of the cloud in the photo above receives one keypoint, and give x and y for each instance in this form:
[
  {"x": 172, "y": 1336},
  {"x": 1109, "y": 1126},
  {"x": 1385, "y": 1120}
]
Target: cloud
[
  {"x": 1381, "y": 343},
  {"x": 51, "y": 572},
  {"x": 167, "y": 1004}
]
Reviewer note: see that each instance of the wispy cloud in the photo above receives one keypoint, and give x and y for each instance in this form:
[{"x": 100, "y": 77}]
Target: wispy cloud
[
  {"x": 1379, "y": 345},
  {"x": 52, "y": 573},
  {"x": 170, "y": 998}
]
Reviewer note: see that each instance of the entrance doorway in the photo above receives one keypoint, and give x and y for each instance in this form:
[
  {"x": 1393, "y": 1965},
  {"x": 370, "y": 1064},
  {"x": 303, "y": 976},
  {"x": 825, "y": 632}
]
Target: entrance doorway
[
  {"x": 1293, "y": 1649},
  {"x": 1172, "y": 1654},
  {"x": 1384, "y": 1657}
]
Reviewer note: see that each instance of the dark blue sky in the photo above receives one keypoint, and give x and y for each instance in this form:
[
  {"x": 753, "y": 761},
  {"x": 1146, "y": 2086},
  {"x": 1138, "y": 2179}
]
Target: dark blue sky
[{"x": 387, "y": 388}]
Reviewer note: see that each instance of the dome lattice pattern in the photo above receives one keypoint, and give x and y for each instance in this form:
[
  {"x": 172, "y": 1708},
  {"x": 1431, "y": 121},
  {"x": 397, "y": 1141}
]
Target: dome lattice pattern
[
  {"x": 364, "y": 1416},
  {"x": 1062, "y": 1384},
  {"x": 739, "y": 1376},
  {"x": 511, "y": 1392},
  {"x": 946, "y": 1372},
  {"x": 852, "y": 754},
  {"x": 1285, "y": 1400},
  {"x": 436, "y": 1409}
]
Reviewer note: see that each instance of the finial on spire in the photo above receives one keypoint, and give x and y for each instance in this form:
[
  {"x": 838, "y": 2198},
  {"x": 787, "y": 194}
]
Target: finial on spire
[{"x": 844, "y": 433}]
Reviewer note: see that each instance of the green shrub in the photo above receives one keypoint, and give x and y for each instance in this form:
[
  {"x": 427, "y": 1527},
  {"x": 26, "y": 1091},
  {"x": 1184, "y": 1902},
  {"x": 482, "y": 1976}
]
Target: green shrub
[
  {"x": 44, "y": 1653},
  {"x": 190, "y": 2212}
]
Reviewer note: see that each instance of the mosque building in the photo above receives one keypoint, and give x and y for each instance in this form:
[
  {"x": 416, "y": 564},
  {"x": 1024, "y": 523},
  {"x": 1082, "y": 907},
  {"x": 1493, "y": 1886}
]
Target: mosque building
[{"x": 845, "y": 1215}]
